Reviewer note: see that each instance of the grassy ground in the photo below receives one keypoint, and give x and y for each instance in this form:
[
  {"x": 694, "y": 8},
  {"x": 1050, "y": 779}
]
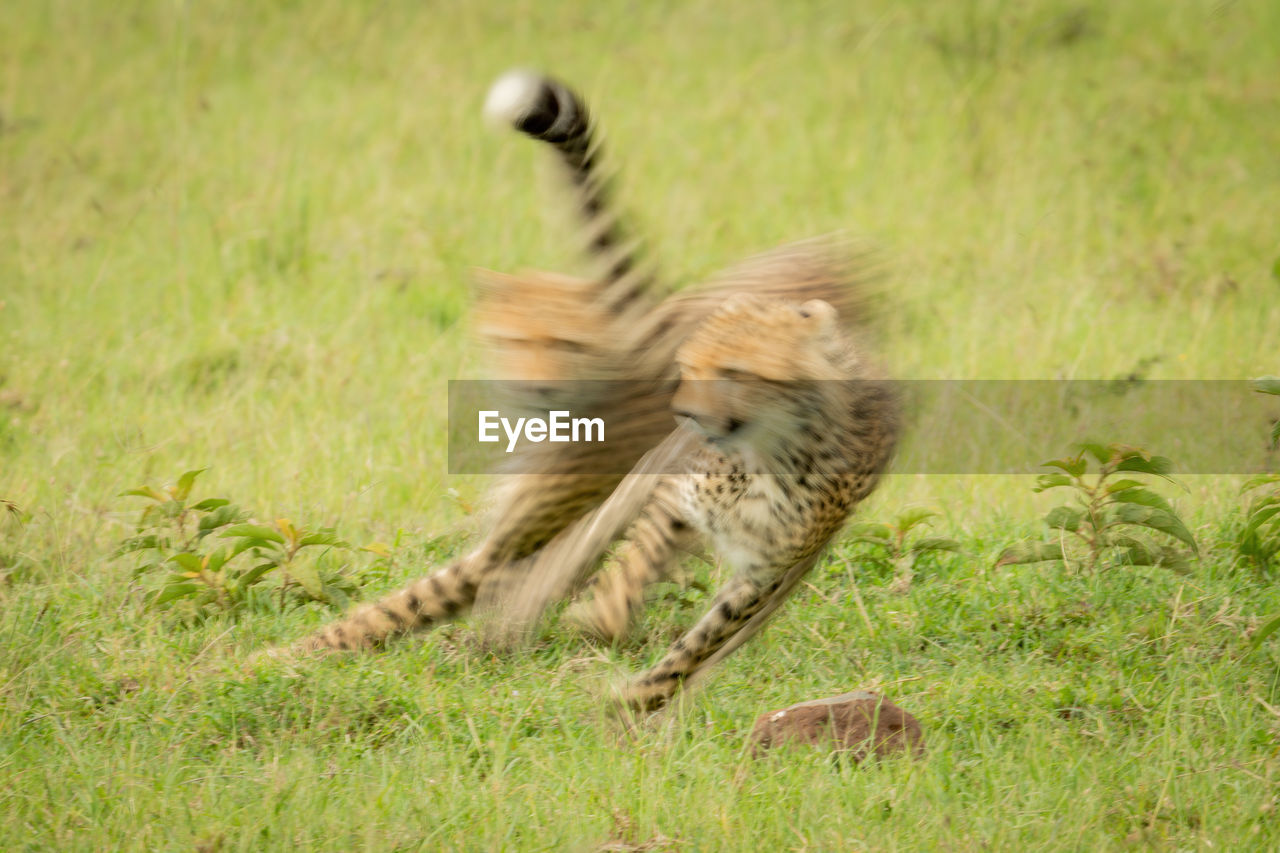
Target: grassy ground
[{"x": 237, "y": 235}]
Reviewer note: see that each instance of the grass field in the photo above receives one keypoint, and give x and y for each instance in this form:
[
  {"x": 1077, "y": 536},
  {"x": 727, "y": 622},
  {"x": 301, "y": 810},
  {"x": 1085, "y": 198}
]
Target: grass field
[{"x": 237, "y": 235}]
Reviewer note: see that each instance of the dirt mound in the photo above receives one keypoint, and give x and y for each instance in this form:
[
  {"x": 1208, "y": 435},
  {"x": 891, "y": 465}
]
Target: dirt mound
[{"x": 856, "y": 723}]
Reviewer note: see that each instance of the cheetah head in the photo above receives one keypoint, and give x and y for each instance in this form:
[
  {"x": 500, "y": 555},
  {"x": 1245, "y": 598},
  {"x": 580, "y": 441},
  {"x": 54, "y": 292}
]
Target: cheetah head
[{"x": 750, "y": 372}]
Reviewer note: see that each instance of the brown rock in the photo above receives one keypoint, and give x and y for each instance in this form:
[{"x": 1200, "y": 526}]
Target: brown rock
[{"x": 842, "y": 723}]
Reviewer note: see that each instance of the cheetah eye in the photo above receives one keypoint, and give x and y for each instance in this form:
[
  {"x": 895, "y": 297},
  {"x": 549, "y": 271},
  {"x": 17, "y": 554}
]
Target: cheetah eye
[
  {"x": 569, "y": 346},
  {"x": 737, "y": 375}
]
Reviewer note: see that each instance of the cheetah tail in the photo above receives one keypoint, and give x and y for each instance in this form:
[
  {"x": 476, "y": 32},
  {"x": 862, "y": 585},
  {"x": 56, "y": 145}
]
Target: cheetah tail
[{"x": 551, "y": 112}]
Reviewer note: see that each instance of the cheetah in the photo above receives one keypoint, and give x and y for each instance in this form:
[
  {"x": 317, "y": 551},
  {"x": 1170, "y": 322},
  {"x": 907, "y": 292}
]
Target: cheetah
[
  {"x": 555, "y": 487},
  {"x": 793, "y": 429},
  {"x": 611, "y": 327}
]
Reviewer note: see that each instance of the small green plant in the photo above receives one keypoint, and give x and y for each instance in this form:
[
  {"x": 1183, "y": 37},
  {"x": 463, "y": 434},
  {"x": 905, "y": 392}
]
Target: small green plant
[
  {"x": 175, "y": 534},
  {"x": 893, "y": 541},
  {"x": 1100, "y": 521},
  {"x": 892, "y": 545},
  {"x": 1270, "y": 385},
  {"x": 1259, "y": 540}
]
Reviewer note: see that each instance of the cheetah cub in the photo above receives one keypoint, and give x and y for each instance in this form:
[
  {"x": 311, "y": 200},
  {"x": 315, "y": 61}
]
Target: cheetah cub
[{"x": 794, "y": 429}]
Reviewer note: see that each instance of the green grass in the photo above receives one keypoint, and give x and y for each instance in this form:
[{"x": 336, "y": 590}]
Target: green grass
[{"x": 238, "y": 235}]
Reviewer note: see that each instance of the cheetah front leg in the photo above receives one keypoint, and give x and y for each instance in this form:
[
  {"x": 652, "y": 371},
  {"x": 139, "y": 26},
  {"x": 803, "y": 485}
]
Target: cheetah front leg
[
  {"x": 739, "y": 610},
  {"x": 738, "y": 601}
]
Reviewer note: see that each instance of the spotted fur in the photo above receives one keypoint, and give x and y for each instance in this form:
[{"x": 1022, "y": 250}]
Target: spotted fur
[{"x": 794, "y": 431}]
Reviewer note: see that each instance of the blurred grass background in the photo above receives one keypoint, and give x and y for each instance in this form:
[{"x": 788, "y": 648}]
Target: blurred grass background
[{"x": 238, "y": 235}]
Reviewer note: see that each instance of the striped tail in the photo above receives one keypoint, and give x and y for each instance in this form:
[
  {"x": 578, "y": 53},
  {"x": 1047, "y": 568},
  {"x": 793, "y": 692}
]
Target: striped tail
[{"x": 551, "y": 112}]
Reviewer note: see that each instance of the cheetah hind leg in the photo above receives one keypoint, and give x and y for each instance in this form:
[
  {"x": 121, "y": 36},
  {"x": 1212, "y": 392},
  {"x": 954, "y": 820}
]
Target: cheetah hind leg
[
  {"x": 648, "y": 556},
  {"x": 440, "y": 596}
]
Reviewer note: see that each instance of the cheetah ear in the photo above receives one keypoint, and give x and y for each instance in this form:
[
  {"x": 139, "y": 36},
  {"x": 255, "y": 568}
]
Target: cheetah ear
[{"x": 819, "y": 312}]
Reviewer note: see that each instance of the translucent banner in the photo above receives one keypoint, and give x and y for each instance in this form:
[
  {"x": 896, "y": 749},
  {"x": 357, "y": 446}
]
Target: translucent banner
[{"x": 948, "y": 426}]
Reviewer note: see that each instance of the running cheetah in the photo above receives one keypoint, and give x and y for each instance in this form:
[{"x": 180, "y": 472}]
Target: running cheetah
[
  {"x": 544, "y": 328},
  {"x": 793, "y": 430}
]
